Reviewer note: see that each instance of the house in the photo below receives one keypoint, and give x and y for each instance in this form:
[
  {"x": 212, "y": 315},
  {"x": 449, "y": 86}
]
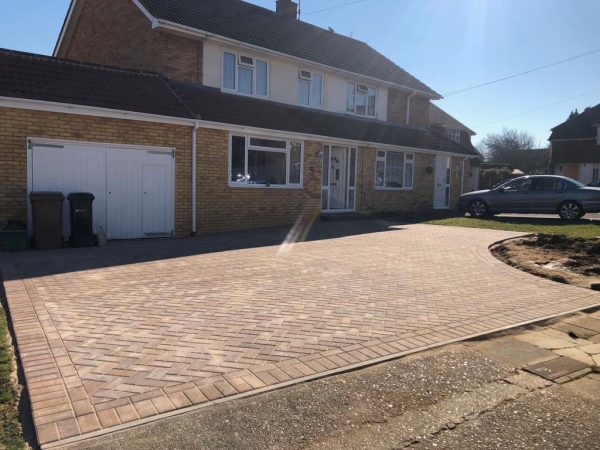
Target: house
[
  {"x": 443, "y": 122},
  {"x": 217, "y": 115},
  {"x": 575, "y": 146}
]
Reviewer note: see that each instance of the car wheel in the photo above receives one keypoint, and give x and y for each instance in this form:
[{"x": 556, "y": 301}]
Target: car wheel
[
  {"x": 570, "y": 210},
  {"x": 479, "y": 209}
]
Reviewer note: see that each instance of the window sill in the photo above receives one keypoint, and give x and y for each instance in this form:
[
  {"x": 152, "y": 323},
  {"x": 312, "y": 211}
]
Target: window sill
[
  {"x": 264, "y": 186},
  {"x": 394, "y": 189}
]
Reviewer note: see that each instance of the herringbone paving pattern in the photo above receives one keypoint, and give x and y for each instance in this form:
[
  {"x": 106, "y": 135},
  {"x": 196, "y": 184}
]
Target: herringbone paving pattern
[{"x": 114, "y": 343}]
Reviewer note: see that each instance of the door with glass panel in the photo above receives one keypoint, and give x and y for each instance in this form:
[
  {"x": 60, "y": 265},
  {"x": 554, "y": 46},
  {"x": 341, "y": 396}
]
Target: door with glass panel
[
  {"x": 338, "y": 187},
  {"x": 441, "y": 192}
]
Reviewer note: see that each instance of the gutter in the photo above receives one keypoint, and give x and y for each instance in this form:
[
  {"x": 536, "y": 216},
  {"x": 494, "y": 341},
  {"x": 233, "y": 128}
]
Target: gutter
[
  {"x": 408, "y": 106},
  {"x": 194, "y": 187}
]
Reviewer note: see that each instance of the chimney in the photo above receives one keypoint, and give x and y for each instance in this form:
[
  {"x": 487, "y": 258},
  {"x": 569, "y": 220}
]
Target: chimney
[{"x": 287, "y": 9}]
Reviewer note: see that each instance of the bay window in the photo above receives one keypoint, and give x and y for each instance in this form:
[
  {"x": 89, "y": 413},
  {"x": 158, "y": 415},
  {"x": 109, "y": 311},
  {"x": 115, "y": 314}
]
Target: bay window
[
  {"x": 361, "y": 99},
  {"x": 394, "y": 170},
  {"x": 245, "y": 74},
  {"x": 310, "y": 89},
  {"x": 258, "y": 162}
]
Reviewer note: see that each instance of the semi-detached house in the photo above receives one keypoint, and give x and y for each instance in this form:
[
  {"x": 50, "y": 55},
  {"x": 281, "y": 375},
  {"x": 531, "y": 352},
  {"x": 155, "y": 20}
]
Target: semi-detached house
[{"x": 215, "y": 115}]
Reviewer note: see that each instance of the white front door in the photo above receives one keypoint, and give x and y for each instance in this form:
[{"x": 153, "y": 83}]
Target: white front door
[
  {"x": 441, "y": 191},
  {"x": 338, "y": 187}
]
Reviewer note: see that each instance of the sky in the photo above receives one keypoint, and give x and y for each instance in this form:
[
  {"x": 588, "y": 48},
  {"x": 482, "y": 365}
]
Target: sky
[{"x": 448, "y": 44}]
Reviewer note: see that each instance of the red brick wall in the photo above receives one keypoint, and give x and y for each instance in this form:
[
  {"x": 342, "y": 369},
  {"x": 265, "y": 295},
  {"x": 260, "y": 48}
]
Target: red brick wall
[
  {"x": 419, "y": 108},
  {"x": 417, "y": 200},
  {"x": 117, "y": 33},
  {"x": 419, "y": 111}
]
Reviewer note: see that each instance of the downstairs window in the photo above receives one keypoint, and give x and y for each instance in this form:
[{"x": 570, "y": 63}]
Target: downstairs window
[
  {"x": 258, "y": 161},
  {"x": 394, "y": 170}
]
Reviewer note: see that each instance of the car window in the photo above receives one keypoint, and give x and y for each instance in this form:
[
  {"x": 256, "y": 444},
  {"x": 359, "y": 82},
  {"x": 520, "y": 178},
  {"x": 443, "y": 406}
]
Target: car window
[
  {"x": 549, "y": 184},
  {"x": 519, "y": 185}
]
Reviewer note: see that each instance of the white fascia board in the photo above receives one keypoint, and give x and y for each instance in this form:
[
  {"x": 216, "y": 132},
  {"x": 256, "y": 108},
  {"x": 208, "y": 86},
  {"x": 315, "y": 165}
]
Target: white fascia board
[
  {"x": 65, "y": 108},
  {"x": 64, "y": 27},
  {"x": 183, "y": 29}
]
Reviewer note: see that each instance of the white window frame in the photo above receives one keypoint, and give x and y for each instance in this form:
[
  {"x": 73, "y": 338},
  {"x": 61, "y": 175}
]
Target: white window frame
[
  {"x": 310, "y": 88},
  {"x": 404, "y": 171},
  {"x": 286, "y": 150},
  {"x": 238, "y": 64},
  {"x": 453, "y": 134},
  {"x": 356, "y": 89}
]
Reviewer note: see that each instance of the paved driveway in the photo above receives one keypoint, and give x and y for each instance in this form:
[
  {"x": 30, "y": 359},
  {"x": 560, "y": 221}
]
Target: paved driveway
[{"x": 110, "y": 336}]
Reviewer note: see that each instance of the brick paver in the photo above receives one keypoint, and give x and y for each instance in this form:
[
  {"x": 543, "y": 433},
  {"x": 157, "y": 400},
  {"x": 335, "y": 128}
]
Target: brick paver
[{"x": 109, "y": 336}]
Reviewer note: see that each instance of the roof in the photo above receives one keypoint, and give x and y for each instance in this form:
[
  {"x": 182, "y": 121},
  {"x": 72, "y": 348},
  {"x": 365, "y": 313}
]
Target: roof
[
  {"x": 253, "y": 112},
  {"x": 248, "y": 23},
  {"x": 440, "y": 117},
  {"x": 578, "y": 126},
  {"x": 37, "y": 77},
  {"x": 575, "y": 151}
]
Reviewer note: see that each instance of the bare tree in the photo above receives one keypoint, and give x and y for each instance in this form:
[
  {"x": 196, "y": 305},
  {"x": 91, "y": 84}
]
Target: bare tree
[{"x": 517, "y": 148}]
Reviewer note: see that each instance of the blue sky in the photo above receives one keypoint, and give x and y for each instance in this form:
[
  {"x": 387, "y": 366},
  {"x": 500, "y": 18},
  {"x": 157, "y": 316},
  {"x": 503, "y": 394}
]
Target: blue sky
[{"x": 448, "y": 44}]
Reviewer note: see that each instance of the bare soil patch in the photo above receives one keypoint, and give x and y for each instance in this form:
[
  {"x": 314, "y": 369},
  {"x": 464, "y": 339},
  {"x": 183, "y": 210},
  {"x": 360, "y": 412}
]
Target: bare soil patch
[{"x": 564, "y": 259}]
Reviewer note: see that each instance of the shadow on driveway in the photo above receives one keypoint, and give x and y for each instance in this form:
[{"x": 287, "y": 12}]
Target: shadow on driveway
[{"x": 35, "y": 263}]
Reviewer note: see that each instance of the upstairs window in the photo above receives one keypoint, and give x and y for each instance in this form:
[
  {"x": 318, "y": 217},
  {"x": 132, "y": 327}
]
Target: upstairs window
[
  {"x": 394, "y": 170},
  {"x": 245, "y": 74},
  {"x": 256, "y": 162},
  {"x": 310, "y": 89},
  {"x": 453, "y": 134},
  {"x": 361, "y": 99}
]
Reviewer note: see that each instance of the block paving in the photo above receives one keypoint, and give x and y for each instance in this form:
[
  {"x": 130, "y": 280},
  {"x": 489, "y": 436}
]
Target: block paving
[{"x": 108, "y": 336}]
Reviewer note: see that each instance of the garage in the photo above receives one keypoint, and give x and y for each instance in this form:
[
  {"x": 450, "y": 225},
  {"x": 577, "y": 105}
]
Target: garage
[{"x": 133, "y": 185}]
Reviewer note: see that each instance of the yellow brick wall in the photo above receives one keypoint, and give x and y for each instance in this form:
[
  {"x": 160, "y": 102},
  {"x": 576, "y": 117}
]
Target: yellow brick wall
[
  {"x": 225, "y": 208},
  {"x": 419, "y": 199},
  {"x": 219, "y": 206},
  {"x": 371, "y": 200},
  {"x": 16, "y": 125}
]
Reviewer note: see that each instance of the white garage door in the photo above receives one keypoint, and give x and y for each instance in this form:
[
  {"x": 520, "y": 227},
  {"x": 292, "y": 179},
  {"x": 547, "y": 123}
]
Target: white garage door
[{"x": 133, "y": 186}]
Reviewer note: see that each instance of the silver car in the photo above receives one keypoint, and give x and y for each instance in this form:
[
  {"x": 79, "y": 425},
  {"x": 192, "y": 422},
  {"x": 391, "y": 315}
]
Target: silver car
[{"x": 534, "y": 194}]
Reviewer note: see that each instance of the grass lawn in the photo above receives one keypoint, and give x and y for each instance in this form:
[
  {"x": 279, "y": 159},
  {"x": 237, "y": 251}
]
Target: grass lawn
[
  {"x": 10, "y": 428},
  {"x": 583, "y": 229}
]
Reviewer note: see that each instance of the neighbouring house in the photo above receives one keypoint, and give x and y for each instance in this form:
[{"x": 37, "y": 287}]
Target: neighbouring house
[
  {"x": 442, "y": 122},
  {"x": 575, "y": 146},
  {"x": 200, "y": 116}
]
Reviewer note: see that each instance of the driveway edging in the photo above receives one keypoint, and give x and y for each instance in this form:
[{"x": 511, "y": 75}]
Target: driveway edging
[{"x": 294, "y": 382}]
